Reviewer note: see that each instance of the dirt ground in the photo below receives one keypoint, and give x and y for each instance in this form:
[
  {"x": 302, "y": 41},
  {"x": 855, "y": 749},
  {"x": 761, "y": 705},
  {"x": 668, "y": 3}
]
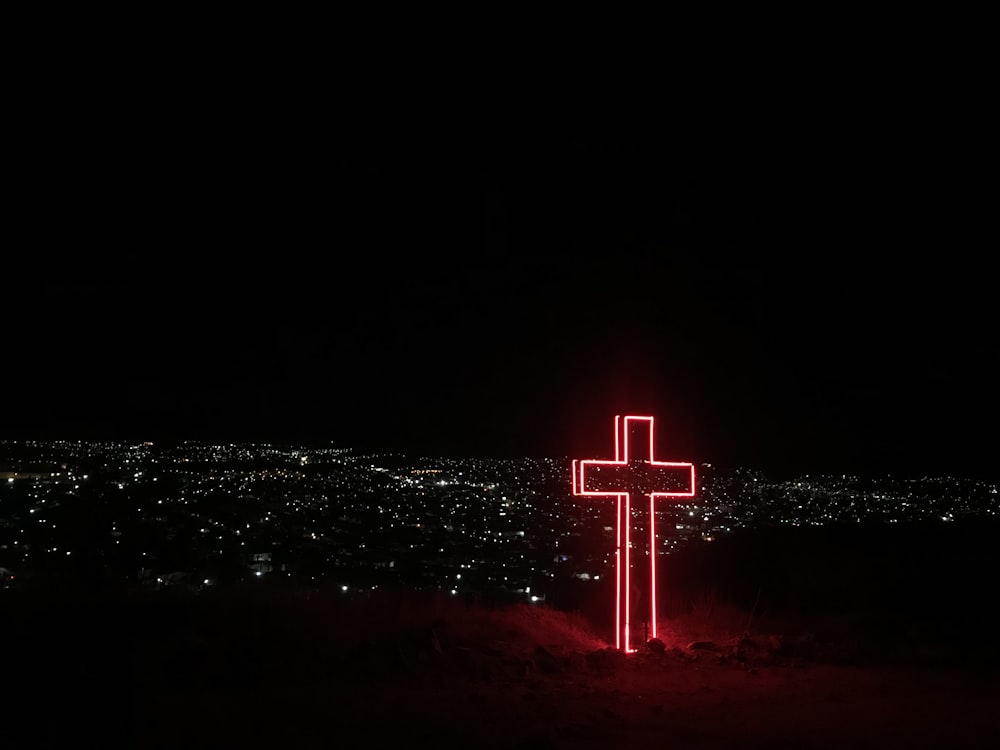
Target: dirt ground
[
  {"x": 643, "y": 703},
  {"x": 531, "y": 685},
  {"x": 290, "y": 671}
]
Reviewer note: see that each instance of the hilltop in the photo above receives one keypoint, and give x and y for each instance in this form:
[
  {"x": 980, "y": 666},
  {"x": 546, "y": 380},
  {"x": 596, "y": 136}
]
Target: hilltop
[{"x": 774, "y": 640}]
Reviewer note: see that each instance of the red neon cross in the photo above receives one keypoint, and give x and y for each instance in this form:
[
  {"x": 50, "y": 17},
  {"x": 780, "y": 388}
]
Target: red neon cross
[{"x": 632, "y": 474}]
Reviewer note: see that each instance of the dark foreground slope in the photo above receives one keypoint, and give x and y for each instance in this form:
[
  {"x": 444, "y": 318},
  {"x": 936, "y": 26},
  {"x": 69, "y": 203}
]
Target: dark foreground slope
[{"x": 773, "y": 639}]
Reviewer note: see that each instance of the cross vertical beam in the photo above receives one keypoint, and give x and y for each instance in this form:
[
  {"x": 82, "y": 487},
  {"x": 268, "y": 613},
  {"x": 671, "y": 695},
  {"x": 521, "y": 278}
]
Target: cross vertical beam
[{"x": 621, "y": 478}]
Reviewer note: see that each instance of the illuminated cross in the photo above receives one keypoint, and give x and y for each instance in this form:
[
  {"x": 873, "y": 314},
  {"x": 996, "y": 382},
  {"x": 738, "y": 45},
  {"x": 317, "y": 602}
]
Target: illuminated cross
[{"x": 632, "y": 472}]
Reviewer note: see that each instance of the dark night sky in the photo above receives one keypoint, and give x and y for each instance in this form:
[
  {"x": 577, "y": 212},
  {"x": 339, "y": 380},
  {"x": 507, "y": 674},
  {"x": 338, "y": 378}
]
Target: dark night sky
[{"x": 796, "y": 288}]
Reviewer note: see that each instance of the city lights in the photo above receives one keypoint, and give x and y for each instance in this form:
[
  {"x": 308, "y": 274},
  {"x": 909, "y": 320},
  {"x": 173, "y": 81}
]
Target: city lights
[{"x": 510, "y": 528}]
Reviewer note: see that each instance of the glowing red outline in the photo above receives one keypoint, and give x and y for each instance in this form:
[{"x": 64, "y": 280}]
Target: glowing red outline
[{"x": 579, "y": 467}]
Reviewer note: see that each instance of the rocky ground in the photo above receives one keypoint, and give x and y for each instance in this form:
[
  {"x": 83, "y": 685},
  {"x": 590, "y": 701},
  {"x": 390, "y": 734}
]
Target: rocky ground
[
  {"x": 874, "y": 640},
  {"x": 527, "y": 677},
  {"x": 594, "y": 700}
]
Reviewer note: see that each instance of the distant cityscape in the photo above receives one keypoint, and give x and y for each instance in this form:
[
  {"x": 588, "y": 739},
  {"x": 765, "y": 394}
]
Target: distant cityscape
[{"x": 193, "y": 516}]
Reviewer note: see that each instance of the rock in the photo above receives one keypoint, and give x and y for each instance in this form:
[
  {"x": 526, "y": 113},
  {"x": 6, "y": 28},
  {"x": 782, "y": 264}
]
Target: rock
[
  {"x": 656, "y": 645},
  {"x": 703, "y": 646}
]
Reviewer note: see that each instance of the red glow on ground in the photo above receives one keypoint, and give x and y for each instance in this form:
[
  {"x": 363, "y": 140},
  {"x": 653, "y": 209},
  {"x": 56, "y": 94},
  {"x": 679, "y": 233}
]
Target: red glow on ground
[{"x": 621, "y": 478}]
